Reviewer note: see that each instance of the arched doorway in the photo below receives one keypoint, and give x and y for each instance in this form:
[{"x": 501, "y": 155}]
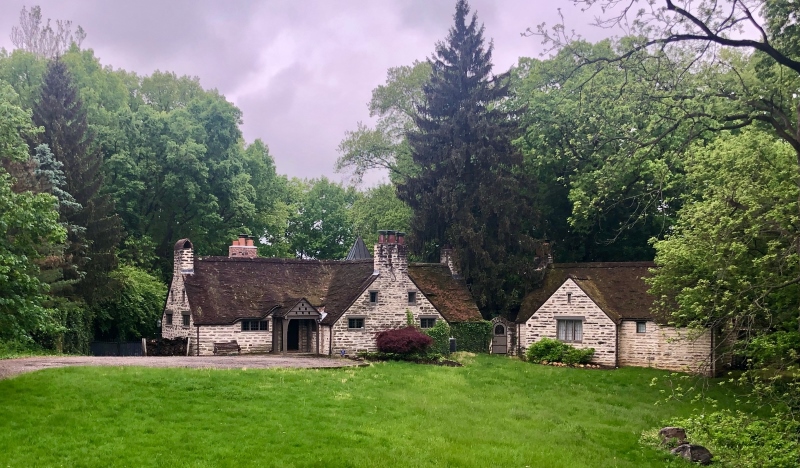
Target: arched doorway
[{"x": 499, "y": 339}]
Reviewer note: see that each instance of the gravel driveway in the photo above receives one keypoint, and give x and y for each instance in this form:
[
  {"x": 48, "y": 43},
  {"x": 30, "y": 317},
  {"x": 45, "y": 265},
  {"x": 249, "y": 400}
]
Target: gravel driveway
[{"x": 12, "y": 367}]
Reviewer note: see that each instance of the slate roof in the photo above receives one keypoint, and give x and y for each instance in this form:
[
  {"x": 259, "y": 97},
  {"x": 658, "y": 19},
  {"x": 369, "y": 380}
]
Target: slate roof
[
  {"x": 358, "y": 251},
  {"x": 450, "y": 296},
  {"x": 618, "y": 288},
  {"x": 223, "y": 290}
]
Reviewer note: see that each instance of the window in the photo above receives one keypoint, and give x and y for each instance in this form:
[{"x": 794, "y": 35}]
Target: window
[
  {"x": 355, "y": 323},
  {"x": 569, "y": 330},
  {"x": 412, "y": 297},
  {"x": 169, "y": 319},
  {"x": 185, "y": 320},
  {"x": 641, "y": 327},
  {"x": 427, "y": 322},
  {"x": 255, "y": 325},
  {"x": 373, "y": 297},
  {"x": 569, "y": 298}
]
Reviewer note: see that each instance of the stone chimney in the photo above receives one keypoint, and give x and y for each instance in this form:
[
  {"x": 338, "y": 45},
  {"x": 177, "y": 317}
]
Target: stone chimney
[
  {"x": 391, "y": 254},
  {"x": 243, "y": 247},
  {"x": 447, "y": 257},
  {"x": 183, "y": 258}
]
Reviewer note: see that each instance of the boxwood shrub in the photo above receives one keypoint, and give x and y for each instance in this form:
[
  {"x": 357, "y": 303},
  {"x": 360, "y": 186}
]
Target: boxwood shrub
[{"x": 550, "y": 350}]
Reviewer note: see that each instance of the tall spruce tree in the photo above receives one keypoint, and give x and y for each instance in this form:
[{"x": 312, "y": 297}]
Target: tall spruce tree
[
  {"x": 467, "y": 193},
  {"x": 94, "y": 230}
]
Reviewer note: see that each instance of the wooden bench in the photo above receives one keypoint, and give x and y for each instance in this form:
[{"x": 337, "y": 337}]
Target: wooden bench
[{"x": 227, "y": 347}]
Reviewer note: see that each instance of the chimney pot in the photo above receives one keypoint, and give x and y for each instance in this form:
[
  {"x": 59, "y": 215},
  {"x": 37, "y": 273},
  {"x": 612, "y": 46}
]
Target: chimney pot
[
  {"x": 401, "y": 238},
  {"x": 392, "y": 237},
  {"x": 249, "y": 242},
  {"x": 381, "y": 237}
]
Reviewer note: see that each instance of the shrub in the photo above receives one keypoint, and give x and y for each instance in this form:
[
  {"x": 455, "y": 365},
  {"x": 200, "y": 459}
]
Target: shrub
[
  {"x": 548, "y": 349},
  {"x": 441, "y": 337},
  {"x": 578, "y": 356},
  {"x": 739, "y": 439},
  {"x": 407, "y": 340}
]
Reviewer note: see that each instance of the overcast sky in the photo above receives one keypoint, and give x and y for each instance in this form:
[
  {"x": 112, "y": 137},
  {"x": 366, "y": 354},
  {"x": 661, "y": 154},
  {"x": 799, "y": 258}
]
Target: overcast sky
[{"x": 301, "y": 71}]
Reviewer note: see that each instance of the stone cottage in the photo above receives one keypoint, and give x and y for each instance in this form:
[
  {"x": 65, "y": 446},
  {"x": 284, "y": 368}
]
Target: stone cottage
[
  {"x": 604, "y": 306},
  {"x": 307, "y": 306}
]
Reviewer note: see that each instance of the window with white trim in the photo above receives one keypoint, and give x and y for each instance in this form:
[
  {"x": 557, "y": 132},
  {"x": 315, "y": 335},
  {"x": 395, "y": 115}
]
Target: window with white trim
[{"x": 570, "y": 331}]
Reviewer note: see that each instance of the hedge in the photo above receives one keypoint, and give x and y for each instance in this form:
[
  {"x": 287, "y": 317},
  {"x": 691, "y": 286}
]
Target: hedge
[
  {"x": 441, "y": 337},
  {"x": 472, "y": 336}
]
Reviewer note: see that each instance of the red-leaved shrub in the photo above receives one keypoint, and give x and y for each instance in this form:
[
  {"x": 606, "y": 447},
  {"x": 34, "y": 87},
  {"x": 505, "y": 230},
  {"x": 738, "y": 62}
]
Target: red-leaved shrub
[{"x": 406, "y": 340}]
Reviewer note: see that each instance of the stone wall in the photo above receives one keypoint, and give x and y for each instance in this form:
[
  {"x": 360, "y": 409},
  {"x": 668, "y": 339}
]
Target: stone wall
[
  {"x": 250, "y": 341},
  {"x": 393, "y": 286},
  {"x": 662, "y": 347},
  {"x": 569, "y": 301}
]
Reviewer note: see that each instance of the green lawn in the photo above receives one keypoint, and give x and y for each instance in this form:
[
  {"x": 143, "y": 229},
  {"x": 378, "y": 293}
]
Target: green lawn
[{"x": 492, "y": 412}]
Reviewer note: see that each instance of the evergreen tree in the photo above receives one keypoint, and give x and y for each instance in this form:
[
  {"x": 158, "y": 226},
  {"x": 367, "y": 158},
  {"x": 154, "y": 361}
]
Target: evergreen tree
[
  {"x": 467, "y": 193},
  {"x": 94, "y": 231}
]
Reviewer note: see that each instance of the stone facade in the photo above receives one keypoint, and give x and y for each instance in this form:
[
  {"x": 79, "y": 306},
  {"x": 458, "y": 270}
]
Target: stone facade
[
  {"x": 663, "y": 347},
  {"x": 177, "y": 303},
  {"x": 392, "y": 285},
  {"x": 569, "y": 302},
  {"x": 250, "y": 341}
]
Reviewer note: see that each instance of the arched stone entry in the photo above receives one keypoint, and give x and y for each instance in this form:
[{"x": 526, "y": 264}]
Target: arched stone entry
[{"x": 501, "y": 336}]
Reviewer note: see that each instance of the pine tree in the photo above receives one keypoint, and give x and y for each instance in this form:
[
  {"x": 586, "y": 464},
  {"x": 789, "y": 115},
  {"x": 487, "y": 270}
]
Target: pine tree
[
  {"x": 94, "y": 231},
  {"x": 467, "y": 193}
]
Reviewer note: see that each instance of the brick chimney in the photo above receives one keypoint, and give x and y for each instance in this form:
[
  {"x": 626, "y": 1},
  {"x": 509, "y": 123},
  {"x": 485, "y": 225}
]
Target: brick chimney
[
  {"x": 243, "y": 247},
  {"x": 183, "y": 258},
  {"x": 447, "y": 257},
  {"x": 391, "y": 254}
]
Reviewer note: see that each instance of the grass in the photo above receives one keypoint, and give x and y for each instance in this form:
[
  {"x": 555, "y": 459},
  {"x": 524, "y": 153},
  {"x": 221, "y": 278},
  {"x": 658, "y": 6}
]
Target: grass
[{"x": 491, "y": 412}]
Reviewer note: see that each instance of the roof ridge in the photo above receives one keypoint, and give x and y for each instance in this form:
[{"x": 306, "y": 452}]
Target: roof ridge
[{"x": 310, "y": 261}]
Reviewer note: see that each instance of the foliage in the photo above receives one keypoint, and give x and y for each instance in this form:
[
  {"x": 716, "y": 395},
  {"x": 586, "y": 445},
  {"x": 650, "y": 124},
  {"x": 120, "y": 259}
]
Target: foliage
[
  {"x": 319, "y": 228},
  {"x": 742, "y": 440},
  {"x": 472, "y": 336},
  {"x": 732, "y": 256},
  {"x": 601, "y": 195},
  {"x": 550, "y": 350},
  {"x": 93, "y": 231},
  {"x": 134, "y": 310},
  {"x": 27, "y": 221},
  {"x": 378, "y": 208},
  {"x": 385, "y": 146},
  {"x": 440, "y": 333},
  {"x": 387, "y": 411},
  {"x": 466, "y": 192},
  {"x": 407, "y": 341}
]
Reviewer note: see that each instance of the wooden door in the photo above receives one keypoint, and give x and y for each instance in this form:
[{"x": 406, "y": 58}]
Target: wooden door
[{"x": 499, "y": 339}]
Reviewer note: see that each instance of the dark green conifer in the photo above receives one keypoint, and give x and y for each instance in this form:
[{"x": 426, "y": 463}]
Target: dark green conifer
[
  {"x": 467, "y": 193},
  {"x": 94, "y": 230}
]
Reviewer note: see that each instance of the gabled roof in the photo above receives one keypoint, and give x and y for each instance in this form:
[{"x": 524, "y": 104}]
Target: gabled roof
[
  {"x": 618, "y": 288},
  {"x": 450, "y": 296},
  {"x": 358, "y": 251},
  {"x": 223, "y": 290}
]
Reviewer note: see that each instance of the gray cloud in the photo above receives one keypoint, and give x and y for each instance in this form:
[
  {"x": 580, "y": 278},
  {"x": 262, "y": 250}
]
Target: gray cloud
[{"x": 301, "y": 71}]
